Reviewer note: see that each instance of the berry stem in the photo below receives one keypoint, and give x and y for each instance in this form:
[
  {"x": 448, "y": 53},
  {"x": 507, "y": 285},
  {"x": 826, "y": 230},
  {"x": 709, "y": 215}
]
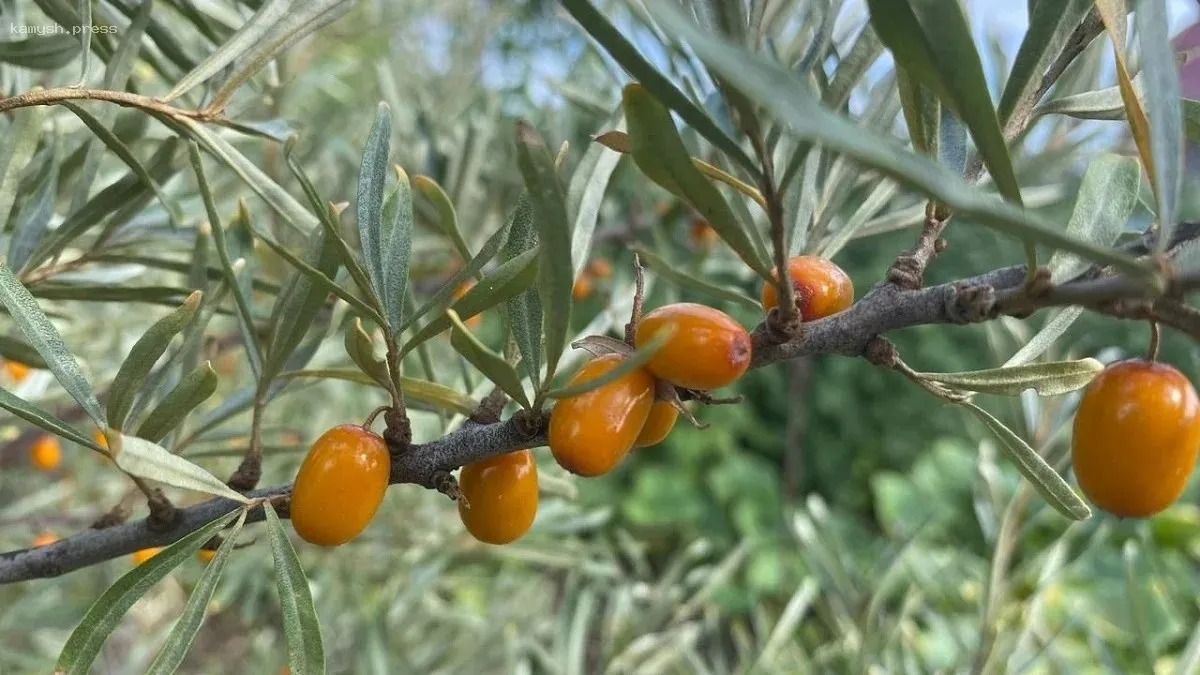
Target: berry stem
[{"x": 1155, "y": 340}]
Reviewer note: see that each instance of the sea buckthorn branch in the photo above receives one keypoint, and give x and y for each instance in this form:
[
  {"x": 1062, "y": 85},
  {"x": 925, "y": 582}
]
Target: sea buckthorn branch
[
  {"x": 883, "y": 309},
  {"x": 126, "y": 99}
]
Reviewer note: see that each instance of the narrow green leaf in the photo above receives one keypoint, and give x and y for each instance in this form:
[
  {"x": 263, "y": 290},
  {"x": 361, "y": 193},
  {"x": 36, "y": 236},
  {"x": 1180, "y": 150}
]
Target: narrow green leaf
[
  {"x": 932, "y": 41},
  {"x": 1046, "y": 337},
  {"x": 35, "y": 213},
  {"x": 663, "y": 89},
  {"x": 1164, "y": 112},
  {"x": 1106, "y": 198},
  {"x": 372, "y": 175},
  {"x": 192, "y": 390},
  {"x": 503, "y": 283},
  {"x": 396, "y": 252},
  {"x": 180, "y": 640},
  {"x": 298, "y": 302},
  {"x": 147, "y": 459},
  {"x": 556, "y": 274},
  {"x": 241, "y": 300},
  {"x": 1050, "y": 25},
  {"x": 776, "y": 89},
  {"x": 142, "y": 357},
  {"x": 447, "y": 219},
  {"x": 40, "y": 333},
  {"x": 83, "y": 646},
  {"x": 321, "y": 279},
  {"x": 436, "y": 395},
  {"x": 585, "y": 195},
  {"x": 631, "y": 362},
  {"x": 44, "y": 419},
  {"x": 360, "y": 348},
  {"x": 662, "y": 156},
  {"x": 306, "y": 655},
  {"x": 1048, "y": 483},
  {"x": 1047, "y": 379},
  {"x": 673, "y": 274},
  {"x": 922, "y": 113},
  {"x": 523, "y": 311},
  {"x": 1101, "y": 104},
  {"x": 492, "y": 365},
  {"x": 20, "y": 142},
  {"x": 1191, "y": 119},
  {"x": 125, "y": 155},
  {"x": 40, "y": 52},
  {"x": 853, "y": 66}
]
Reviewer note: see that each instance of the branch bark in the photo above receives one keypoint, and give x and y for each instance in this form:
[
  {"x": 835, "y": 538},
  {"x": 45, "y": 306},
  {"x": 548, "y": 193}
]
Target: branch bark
[{"x": 885, "y": 308}]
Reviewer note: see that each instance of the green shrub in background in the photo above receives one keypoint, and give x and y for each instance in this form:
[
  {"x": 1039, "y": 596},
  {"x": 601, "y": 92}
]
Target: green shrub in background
[{"x": 836, "y": 519}]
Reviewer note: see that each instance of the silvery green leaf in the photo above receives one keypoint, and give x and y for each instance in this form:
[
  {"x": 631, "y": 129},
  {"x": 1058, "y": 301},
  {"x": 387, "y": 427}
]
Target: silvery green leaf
[
  {"x": 146, "y": 459},
  {"x": 1047, "y": 379},
  {"x": 306, "y": 654}
]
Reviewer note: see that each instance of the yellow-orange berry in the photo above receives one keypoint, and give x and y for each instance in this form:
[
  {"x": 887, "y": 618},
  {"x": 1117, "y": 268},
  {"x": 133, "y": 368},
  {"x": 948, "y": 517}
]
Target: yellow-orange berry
[
  {"x": 821, "y": 288},
  {"x": 206, "y": 554},
  {"x": 599, "y": 268},
  {"x": 501, "y": 497},
  {"x": 139, "y": 557},
  {"x": 658, "y": 424},
  {"x": 582, "y": 289},
  {"x": 16, "y": 371},
  {"x": 1136, "y": 437},
  {"x": 46, "y": 452},
  {"x": 472, "y": 321},
  {"x": 707, "y": 348},
  {"x": 703, "y": 234},
  {"x": 340, "y": 485},
  {"x": 592, "y": 432},
  {"x": 43, "y": 539}
]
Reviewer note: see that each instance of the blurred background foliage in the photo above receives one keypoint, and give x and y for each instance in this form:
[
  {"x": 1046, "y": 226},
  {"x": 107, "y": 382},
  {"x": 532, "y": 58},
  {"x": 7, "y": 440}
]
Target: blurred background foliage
[{"x": 838, "y": 520}]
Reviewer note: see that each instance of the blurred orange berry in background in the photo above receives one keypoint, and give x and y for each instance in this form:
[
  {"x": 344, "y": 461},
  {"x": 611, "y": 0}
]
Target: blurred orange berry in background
[
  {"x": 582, "y": 289},
  {"x": 599, "y": 268},
  {"x": 139, "y": 557},
  {"x": 15, "y": 371},
  {"x": 46, "y": 452},
  {"x": 43, "y": 539},
  {"x": 703, "y": 235},
  {"x": 474, "y": 321}
]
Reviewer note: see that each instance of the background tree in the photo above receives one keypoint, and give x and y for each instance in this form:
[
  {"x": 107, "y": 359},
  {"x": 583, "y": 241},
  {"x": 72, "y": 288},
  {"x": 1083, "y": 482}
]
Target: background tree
[{"x": 298, "y": 255}]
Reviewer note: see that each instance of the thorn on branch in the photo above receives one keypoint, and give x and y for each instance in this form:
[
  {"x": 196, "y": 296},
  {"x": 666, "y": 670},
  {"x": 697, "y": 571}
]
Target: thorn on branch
[
  {"x": 908, "y": 271},
  {"x": 490, "y": 407},
  {"x": 635, "y": 316}
]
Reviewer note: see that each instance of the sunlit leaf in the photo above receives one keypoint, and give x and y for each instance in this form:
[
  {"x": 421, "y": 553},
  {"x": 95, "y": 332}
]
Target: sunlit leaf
[
  {"x": 1050, "y": 25},
  {"x": 148, "y": 460},
  {"x": 306, "y": 655},
  {"x": 395, "y": 252},
  {"x": 1047, "y": 379},
  {"x": 1046, "y": 337},
  {"x": 523, "y": 311},
  {"x": 1105, "y": 200},
  {"x": 585, "y": 195},
  {"x": 192, "y": 390},
  {"x": 492, "y": 365},
  {"x": 1163, "y": 112}
]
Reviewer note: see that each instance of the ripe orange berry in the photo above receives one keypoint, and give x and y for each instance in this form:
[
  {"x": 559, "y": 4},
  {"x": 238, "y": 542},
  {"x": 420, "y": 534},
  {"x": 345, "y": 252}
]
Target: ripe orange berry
[
  {"x": 1136, "y": 437},
  {"x": 501, "y": 497},
  {"x": 703, "y": 234},
  {"x": 16, "y": 371},
  {"x": 592, "y": 432},
  {"x": 43, "y": 539},
  {"x": 707, "y": 350},
  {"x": 206, "y": 554},
  {"x": 139, "y": 557},
  {"x": 582, "y": 288},
  {"x": 46, "y": 453},
  {"x": 473, "y": 321},
  {"x": 340, "y": 485},
  {"x": 658, "y": 424},
  {"x": 821, "y": 288},
  {"x": 599, "y": 268}
]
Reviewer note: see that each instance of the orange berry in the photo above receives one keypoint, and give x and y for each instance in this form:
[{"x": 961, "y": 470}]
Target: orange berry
[
  {"x": 340, "y": 485},
  {"x": 821, "y": 288},
  {"x": 703, "y": 234},
  {"x": 206, "y": 554},
  {"x": 16, "y": 371},
  {"x": 139, "y": 557},
  {"x": 658, "y": 424},
  {"x": 43, "y": 539},
  {"x": 599, "y": 268},
  {"x": 472, "y": 321},
  {"x": 1136, "y": 437},
  {"x": 100, "y": 438},
  {"x": 46, "y": 452},
  {"x": 501, "y": 497},
  {"x": 582, "y": 288},
  {"x": 591, "y": 433},
  {"x": 707, "y": 350}
]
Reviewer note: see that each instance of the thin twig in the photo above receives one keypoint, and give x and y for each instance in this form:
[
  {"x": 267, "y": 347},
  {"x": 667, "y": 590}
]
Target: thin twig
[{"x": 122, "y": 98}]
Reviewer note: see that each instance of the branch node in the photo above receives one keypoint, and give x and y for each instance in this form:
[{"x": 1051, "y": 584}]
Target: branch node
[
  {"x": 908, "y": 271},
  {"x": 971, "y": 304},
  {"x": 881, "y": 352},
  {"x": 445, "y": 483},
  {"x": 163, "y": 514},
  {"x": 247, "y": 475},
  {"x": 781, "y": 328},
  {"x": 529, "y": 423},
  {"x": 399, "y": 431}
]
